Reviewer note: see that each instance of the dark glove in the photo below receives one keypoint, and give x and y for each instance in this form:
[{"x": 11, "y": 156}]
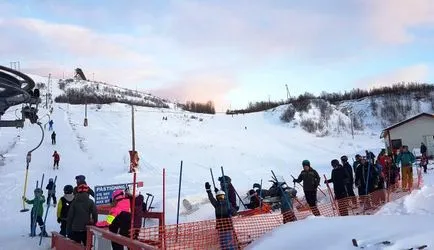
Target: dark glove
[
  {"x": 237, "y": 208},
  {"x": 207, "y": 186},
  {"x": 58, "y": 220},
  {"x": 325, "y": 182},
  {"x": 216, "y": 190}
]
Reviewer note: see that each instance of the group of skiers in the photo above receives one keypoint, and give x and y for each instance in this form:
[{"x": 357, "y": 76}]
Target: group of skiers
[
  {"x": 76, "y": 210},
  {"x": 367, "y": 174}
]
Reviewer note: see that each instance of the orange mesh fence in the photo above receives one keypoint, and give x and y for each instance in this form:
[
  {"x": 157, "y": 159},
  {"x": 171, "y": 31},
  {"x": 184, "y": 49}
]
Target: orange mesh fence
[{"x": 239, "y": 231}]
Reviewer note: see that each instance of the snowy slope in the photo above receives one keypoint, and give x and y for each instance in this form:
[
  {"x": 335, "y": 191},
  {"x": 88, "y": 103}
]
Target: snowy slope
[
  {"x": 406, "y": 223},
  {"x": 248, "y": 146}
]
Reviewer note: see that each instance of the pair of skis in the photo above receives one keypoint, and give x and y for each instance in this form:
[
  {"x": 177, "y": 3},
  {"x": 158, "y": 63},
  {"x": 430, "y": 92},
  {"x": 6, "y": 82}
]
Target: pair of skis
[{"x": 385, "y": 243}]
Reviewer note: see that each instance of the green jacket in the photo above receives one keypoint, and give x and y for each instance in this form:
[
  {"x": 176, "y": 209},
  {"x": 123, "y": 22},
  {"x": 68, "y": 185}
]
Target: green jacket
[
  {"x": 406, "y": 158},
  {"x": 38, "y": 203},
  {"x": 310, "y": 179}
]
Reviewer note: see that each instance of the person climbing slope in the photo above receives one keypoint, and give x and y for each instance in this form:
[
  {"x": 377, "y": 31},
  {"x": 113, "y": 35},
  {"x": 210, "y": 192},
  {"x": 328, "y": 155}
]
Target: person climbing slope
[
  {"x": 36, "y": 212},
  {"x": 56, "y": 157},
  {"x": 51, "y": 188}
]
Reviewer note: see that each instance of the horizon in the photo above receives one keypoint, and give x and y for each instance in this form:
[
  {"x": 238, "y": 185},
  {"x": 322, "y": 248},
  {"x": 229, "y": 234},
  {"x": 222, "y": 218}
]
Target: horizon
[{"x": 226, "y": 52}]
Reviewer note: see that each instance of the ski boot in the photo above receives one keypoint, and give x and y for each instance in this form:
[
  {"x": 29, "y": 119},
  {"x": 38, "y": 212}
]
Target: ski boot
[{"x": 43, "y": 233}]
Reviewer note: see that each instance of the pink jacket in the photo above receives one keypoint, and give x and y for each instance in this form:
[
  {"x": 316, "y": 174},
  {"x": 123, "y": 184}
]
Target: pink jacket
[{"x": 122, "y": 205}]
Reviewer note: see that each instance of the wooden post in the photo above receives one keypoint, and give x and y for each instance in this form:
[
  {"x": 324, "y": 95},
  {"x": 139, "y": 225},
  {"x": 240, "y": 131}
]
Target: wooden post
[{"x": 132, "y": 128}]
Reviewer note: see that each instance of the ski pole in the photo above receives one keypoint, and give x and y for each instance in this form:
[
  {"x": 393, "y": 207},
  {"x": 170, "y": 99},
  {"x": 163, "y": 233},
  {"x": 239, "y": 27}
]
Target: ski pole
[
  {"x": 240, "y": 199},
  {"x": 48, "y": 207},
  {"x": 179, "y": 198},
  {"x": 212, "y": 177},
  {"x": 260, "y": 196},
  {"x": 302, "y": 186},
  {"x": 42, "y": 181}
]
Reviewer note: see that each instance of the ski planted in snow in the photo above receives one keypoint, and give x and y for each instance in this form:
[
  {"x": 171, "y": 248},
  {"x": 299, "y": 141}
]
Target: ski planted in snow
[{"x": 385, "y": 243}]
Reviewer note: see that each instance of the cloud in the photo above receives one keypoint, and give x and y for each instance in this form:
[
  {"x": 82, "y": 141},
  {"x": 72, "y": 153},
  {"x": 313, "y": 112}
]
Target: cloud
[
  {"x": 200, "y": 87},
  {"x": 414, "y": 73},
  {"x": 394, "y": 21}
]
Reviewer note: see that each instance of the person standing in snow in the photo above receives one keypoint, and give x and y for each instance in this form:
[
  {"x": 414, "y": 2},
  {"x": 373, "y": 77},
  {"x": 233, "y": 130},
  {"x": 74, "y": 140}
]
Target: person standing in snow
[
  {"x": 37, "y": 212},
  {"x": 50, "y": 125},
  {"x": 53, "y": 138},
  {"x": 423, "y": 149},
  {"x": 406, "y": 158},
  {"x": 81, "y": 179},
  {"x": 254, "y": 200},
  {"x": 223, "y": 213},
  {"x": 51, "y": 188},
  {"x": 120, "y": 203},
  {"x": 350, "y": 184},
  {"x": 340, "y": 179},
  {"x": 311, "y": 180},
  {"x": 82, "y": 212},
  {"x": 226, "y": 185},
  {"x": 56, "y": 157},
  {"x": 63, "y": 208},
  {"x": 365, "y": 183},
  {"x": 356, "y": 163},
  {"x": 424, "y": 163}
]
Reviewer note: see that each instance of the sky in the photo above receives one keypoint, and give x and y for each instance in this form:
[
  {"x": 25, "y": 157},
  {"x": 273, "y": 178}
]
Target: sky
[{"x": 230, "y": 52}]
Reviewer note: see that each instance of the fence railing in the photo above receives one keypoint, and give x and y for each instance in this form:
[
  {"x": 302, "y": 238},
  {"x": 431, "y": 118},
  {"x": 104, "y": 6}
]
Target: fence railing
[{"x": 239, "y": 231}]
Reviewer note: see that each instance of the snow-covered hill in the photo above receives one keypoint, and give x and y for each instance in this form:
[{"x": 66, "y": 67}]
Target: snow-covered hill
[{"x": 247, "y": 146}]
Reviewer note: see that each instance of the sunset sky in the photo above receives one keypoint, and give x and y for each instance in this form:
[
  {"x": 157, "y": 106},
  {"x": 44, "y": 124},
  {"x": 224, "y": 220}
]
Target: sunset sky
[{"x": 231, "y": 52}]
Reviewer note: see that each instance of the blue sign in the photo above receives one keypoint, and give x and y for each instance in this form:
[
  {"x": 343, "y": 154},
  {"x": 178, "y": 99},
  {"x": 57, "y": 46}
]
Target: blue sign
[{"x": 103, "y": 194}]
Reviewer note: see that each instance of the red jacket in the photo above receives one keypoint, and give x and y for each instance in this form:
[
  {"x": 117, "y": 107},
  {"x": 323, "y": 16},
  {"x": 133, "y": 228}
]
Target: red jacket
[{"x": 56, "y": 156}]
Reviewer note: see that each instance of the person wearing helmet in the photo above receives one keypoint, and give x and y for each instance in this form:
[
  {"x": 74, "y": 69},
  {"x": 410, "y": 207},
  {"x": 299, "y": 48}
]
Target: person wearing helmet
[
  {"x": 350, "y": 184},
  {"x": 37, "y": 212},
  {"x": 81, "y": 179},
  {"x": 119, "y": 203},
  {"x": 51, "y": 188},
  {"x": 340, "y": 179},
  {"x": 223, "y": 213},
  {"x": 121, "y": 223},
  {"x": 63, "y": 208},
  {"x": 311, "y": 181},
  {"x": 82, "y": 213}
]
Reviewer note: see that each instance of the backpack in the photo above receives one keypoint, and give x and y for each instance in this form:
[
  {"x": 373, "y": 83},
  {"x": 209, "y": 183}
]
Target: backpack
[{"x": 65, "y": 207}]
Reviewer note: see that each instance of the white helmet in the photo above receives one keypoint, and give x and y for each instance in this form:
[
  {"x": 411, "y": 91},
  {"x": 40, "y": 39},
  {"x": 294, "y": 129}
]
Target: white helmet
[{"x": 220, "y": 192}]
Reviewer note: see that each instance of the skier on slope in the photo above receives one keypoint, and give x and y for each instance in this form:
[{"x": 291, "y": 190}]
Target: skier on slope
[
  {"x": 51, "y": 188},
  {"x": 340, "y": 179},
  {"x": 311, "y": 180},
  {"x": 350, "y": 185},
  {"x": 223, "y": 213},
  {"x": 50, "y": 123},
  {"x": 53, "y": 138},
  {"x": 37, "y": 212},
  {"x": 63, "y": 208},
  {"x": 226, "y": 185},
  {"x": 56, "y": 157}
]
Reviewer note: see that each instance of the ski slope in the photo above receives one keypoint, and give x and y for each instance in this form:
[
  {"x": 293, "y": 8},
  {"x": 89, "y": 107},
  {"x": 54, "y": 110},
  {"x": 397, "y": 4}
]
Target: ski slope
[{"x": 247, "y": 146}]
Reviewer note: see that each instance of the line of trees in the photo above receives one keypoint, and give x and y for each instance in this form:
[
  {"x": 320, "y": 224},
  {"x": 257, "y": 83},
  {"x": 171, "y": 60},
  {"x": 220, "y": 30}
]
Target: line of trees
[
  {"x": 301, "y": 103},
  {"x": 197, "y": 107}
]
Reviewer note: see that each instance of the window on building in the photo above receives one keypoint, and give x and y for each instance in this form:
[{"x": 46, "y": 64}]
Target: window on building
[{"x": 396, "y": 144}]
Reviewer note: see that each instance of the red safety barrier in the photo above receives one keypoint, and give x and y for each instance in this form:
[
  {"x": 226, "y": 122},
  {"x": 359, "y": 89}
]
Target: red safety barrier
[
  {"x": 239, "y": 231},
  {"x": 60, "y": 242}
]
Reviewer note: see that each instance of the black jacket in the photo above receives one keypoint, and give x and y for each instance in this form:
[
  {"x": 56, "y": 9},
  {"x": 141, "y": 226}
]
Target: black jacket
[
  {"x": 340, "y": 179},
  {"x": 363, "y": 180},
  {"x": 310, "y": 179},
  {"x": 423, "y": 149},
  {"x": 223, "y": 213},
  {"x": 82, "y": 212},
  {"x": 349, "y": 169},
  {"x": 254, "y": 202}
]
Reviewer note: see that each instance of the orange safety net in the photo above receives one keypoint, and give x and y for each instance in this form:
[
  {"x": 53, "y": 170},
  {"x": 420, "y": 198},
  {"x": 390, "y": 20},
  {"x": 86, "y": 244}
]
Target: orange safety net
[{"x": 239, "y": 231}]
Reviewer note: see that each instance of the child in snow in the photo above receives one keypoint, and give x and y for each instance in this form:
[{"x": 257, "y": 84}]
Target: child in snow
[
  {"x": 51, "y": 187},
  {"x": 56, "y": 160},
  {"x": 424, "y": 163},
  {"x": 50, "y": 123},
  {"x": 63, "y": 208},
  {"x": 223, "y": 213},
  {"x": 36, "y": 212}
]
